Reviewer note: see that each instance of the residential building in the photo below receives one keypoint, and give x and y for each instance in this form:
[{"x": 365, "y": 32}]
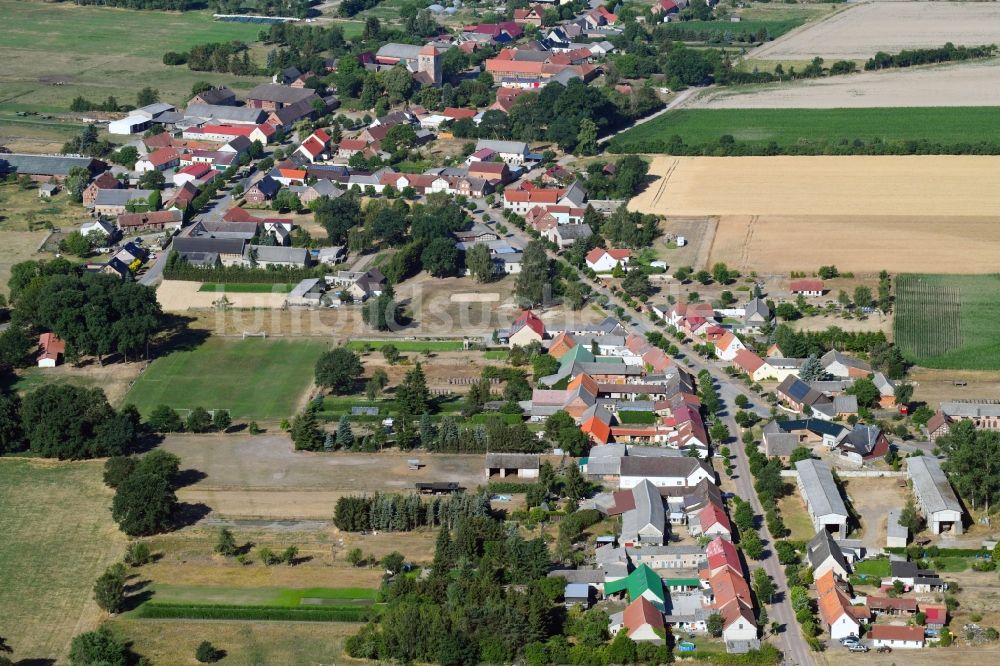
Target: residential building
[
  {"x": 663, "y": 472},
  {"x": 841, "y": 365},
  {"x": 822, "y": 497},
  {"x": 265, "y": 256},
  {"x": 642, "y": 621},
  {"x": 160, "y": 220},
  {"x": 601, "y": 260},
  {"x": 913, "y": 578},
  {"x": 513, "y": 153},
  {"x": 218, "y": 96},
  {"x": 98, "y": 227},
  {"x": 835, "y": 608},
  {"x": 934, "y": 495},
  {"x": 643, "y": 582},
  {"x": 526, "y": 328},
  {"x": 807, "y": 287},
  {"x": 114, "y": 202},
  {"x": 645, "y": 522},
  {"x": 896, "y": 637},
  {"x": 105, "y": 181},
  {"x": 50, "y": 350},
  {"x": 210, "y": 252},
  {"x": 160, "y": 159},
  {"x": 271, "y": 97},
  {"x": 823, "y": 554}
]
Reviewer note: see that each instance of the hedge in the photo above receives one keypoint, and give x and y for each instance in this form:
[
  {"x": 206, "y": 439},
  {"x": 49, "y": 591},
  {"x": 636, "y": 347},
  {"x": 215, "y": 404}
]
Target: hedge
[
  {"x": 241, "y": 274},
  {"x": 495, "y": 487},
  {"x": 226, "y": 612},
  {"x": 943, "y": 552}
]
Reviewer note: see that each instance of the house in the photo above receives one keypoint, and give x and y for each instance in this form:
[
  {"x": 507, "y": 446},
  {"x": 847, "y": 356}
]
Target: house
[
  {"x": 50, "y": 349},
  {"x": 841, "y": 618},
  {"x": 195, "y": 174},
  {"x": 221, "y": 96},
  {"x": 262, "y": 191},
  {"x": 913, "y": 578},
  {"x": 711, "y": 521},
  {"x": 98, "y": 227},
  {"x": 807, "y": 287},
  {"x": 751, "y": 365},
  {"x": 564, "y": 235},
  {"x": 492, "y": 172},
  {"x": 756, "y": 315},
  {"x": 864, "y": 443},
  {"x": 210, "y": 252},
  {"x": 244, "y": 230},
  {"x": 321, "y": 188},
  {"x": 522, "y": 465},
  {"x": 359, "y": 285},
  {"x": 822, "y": 497},
  {"x": 896, "y": 636},
  {"x": 183, "y": 197},
  {"x": 937, "y": 501},
  {"x": 727, "y": 346},
  {"x": 642, "y": 583},
  {"x": 157, "y": 220},
  {"x": 225, "y": 115},
  {"x": 642, "y": 621},
  {"x": 315, "y": 147},
  {"x": 265, "y": 256},
  {"x": 105, "y": 181},
  {"x": 797, "y": 394},
  {"x": 47, "y": 190},
  {"x": 530, "y": 16},
  {"x": 160, "y": 159},
  {"x": 601, "y": 260},
  {"x": 663, "y": 472},
  {"x": 823, "y": 554},
  {"x": 897, "y": 534},
  {"x": 114, "y": 202},
  {"x": 645, "y": 522},
  {"x": 271, "y": 97},
  {"x": 935, "y": 615},
  {"x": 577, "y": 594},
  {"x": 527, "y": 328},
  {"x": 891, "y": 606},
  {"x": 886, "y": 390},
  {"x": 841, "y": 365},
  {"x": 984, "y": 415},
  {"x": 513, "y": 153}
]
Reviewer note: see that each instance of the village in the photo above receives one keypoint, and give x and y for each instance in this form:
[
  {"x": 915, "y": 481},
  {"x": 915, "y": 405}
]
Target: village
[{"x": 393, "y": 337}]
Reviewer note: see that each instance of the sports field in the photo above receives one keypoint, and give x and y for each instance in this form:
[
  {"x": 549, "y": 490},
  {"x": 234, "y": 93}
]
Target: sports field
[
  {"x": 58, "y": 537},
  {"x": 253, "y": 378},
  {"x": 812, "y": 130},
  {"x": 949, "y": 321},
  {"x": 56, "y": 51}
]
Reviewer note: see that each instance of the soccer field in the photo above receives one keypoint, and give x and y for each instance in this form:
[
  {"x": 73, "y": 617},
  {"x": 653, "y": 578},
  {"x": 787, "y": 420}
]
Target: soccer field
[
  {"x": 253, "y": 378},
  {"x": 949, "y": 321}
]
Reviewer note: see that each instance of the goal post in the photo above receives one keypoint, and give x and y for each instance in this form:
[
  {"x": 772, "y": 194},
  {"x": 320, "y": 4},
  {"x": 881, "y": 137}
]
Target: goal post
[{"x": 260, "y": 334}]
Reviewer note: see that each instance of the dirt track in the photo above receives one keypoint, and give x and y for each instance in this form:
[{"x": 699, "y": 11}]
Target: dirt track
[
  {"x": 860, "y": 31},
  {"x": 966, "y": 84}
]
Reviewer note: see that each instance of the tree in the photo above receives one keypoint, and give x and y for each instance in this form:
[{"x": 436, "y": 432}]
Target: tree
[
  {"x": 636, "y": 284},
  {"x": 199, "y": 420},
  {"x": 586, "y": 138},
  {"x": 763, "y": 586},
  {"x": 68, "y": 422},
  {"x": 137, "y": 554},
  {"x": 306, "y": 433},
  {"x": 721, "y": 273},
  {"x": 117, "y": 469},
  {"x": 338, "y": 369},
  {"x": 622, "y": 650},
  {"x": 376, "y": 384},
  {"x": 206, "y": 653},
  {"x": 76, "y": 244},
  {"x": 909, "y": 518},
  {"x": 382, "y": 312},
  {"x": 862, "y": 296},
  {"x": 800, "y": 453},
  {"x": 165, "y": 419},
  {"x": 479, "y": 263},
  {"x": 345, "y": 436},
  {"x": 714, "y": 625},
  {"x": 147, "y": 96},
  {"x": 393, "y": 562},
  {"x": 440, "y": 258},
  {"x": 109, "y": 590},
  {"x": 743, "y": 516},
  {"x": 532, "y": 283},
  {"x": 221, "y": 420},
  {"x": 355, "y": 556},
  {"x": 812, "y": 370},
  {"x": 903, "y": 394},
  {"x": 143, "y": 504},
  {"x": 97, "y": 648},
  {"x": 865, "y": 391},
  {"x": 225, "y": 544},
  {"x": 751, "y": 545},
  {"x": 412, "y": 395}
]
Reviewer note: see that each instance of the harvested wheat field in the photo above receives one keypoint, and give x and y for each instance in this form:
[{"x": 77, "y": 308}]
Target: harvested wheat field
[
  {"x": 862, "y": 30},
  {"x": 860, "y": 213},
  {"x": 180, "y": 295},
  {"x": 965, "y": 84}
]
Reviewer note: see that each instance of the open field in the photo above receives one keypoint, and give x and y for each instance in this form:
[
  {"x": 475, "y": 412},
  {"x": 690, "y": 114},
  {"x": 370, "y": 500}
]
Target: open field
[
  {"x": 15, "y": 247},
  {"x": 251, "y": 288},
  {"x": 932, "y": 385},
  {"x": 820, "y": 129},
  {"x": 951, "y": 85},
  {"x": 263, "y": 477},
  {"x": 58, "y": 536},
  {"x": 245, "y": 643},
  {"x": 22, "y": 210},
  {"x": 408, "y": 345},
  {"x": 252, "y": 378},
  {"x": 864, "y": 29},
  {"x": 97, "y": 52},
  {"x": 949, "y": 321},
  {"x": 181, "y": 295},
  {"x": 795, "y": 517},
  {"x": 113, "y": 378},
  {"x": 778, "y": 214}
]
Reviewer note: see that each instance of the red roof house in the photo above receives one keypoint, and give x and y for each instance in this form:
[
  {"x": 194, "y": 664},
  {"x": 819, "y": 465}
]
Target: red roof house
[{"x": 50, "y": 347}]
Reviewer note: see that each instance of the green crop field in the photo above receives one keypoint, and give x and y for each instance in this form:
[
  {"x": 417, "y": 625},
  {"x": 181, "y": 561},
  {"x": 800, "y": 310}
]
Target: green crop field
[
  {"x": 252, "y": 378},
  {"x": 249, "y": 288},
  {"x": 949, "y": 321},
  {"x": 408, "y": 345},
  {"x": 58, "y": 537},
  {"x": 773, "y": 28},
  {"x": 56, "y": 51},
  {"x": 790, "y": 128}
]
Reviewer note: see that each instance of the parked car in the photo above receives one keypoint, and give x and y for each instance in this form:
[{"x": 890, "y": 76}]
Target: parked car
[
  {"x": 848, "y": 639},
  {"x": 857, "y": 647}
]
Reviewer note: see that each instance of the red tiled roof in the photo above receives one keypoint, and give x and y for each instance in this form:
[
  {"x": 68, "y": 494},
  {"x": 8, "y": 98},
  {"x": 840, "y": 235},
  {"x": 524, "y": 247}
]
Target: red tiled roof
[
  {"x": 162, "y": 156},
  {"x": 747, "y": 361},
  {"x": 721, "y": 553},
  {"x": 50, "y": 346},
  {"x": 891, "y": 632},
  {"x": 143, "y": 219},
  {"x": 198, "y": 169},
  {"x": 456, "y": 113},
  {"x": 640, "y": 613},
  {"x": 353, "y": 144},
  {"x": 531, "y": 320},
  {"x": 712, "y": 515},
  {"x": 806, "y": 285}
]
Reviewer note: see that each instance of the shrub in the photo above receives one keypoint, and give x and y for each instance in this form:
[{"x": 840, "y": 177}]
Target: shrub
[
  {"x": 206, "y": 653},
  {"x": 224, "y": 612},
  {"x": 137, "y": 553}
]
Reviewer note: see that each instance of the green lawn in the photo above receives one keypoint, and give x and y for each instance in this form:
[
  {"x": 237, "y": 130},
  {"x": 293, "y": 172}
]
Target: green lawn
[
  {"x": 870, "y": 572},
  {"x": 809, "y": 131},
  {"x": 641, "y": 418},
  {"x": 949, "y": 321},
  {"x": 258, "y": 596},
  {"x": 335, "y": 406},
  {"x": 253, "y": 378},
  {"x": 408, "y": 345},
  {"x": 102, "y": 51},
  {"x": 58, "y": 537},
  {"x": 720, "y": 29},
  {"x": 249, "y": 288}
]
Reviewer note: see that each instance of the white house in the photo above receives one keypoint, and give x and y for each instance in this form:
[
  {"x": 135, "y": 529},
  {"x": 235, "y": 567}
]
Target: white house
[
  {"x": 601, "y": 260},
  {"x": 896, "y": 636},
  {"x": 513, "y": 153},
  {"x": 641, "y": 620},
  {"x": 663, "y": 472},
  {"x": 97, "y": 227}
]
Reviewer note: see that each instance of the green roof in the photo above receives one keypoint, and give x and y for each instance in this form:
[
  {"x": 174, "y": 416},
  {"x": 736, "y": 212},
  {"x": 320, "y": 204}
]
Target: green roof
[
  {"x": 681, "y": 582},
  {"x": 636, "y": 583},
  {"x": 578, "y": 353}
]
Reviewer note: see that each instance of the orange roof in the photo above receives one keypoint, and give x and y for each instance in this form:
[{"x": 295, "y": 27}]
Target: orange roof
[
  {"x": 162, "y": 156},
  {"x": 727, "y": 585},
  {"x": 294, "y": 174},
  {"x": 619, "y": 255},
  {"x": 585, "y": 381},
  {"x": 747, "y": 361},
  {"x": 514, "y": 66},
  {"x": 51, "y": 346},
  {"x": 891, "y": 632},
  {"x": 826, "y": 582},
  {"x": 722, "y": 553},
  {"x": 561, "y": 344},
  {"x": 353, "y": 144},
  {"x": 457, "y": 113},
  {"x": 537, "y": 195},
  {"x": 597, "y": 429},
  {"x": 735, "y": 609},
  {"x": 639, "y": 613}
]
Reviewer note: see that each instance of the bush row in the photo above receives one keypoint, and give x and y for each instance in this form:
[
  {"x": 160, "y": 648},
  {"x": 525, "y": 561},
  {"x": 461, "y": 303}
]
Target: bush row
[{"x": 224, "y": 612}]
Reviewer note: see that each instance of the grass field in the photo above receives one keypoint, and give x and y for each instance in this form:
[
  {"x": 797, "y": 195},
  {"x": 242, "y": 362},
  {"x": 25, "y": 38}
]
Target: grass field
[
  {"x": 797, "y": 127},
  {"x": 58, "y": 536},
  {"x": 774, "y": 28},
  {"x": 317, "y": 604},
  {"x": 258, "y": 596},
  {"x": 250, "y": 288},
  {"x": 408, "y": 345},
  {"x": 99, "y": 51},
  {"x": 253, "y": 378},
  {"x": 949, "y": 321}
]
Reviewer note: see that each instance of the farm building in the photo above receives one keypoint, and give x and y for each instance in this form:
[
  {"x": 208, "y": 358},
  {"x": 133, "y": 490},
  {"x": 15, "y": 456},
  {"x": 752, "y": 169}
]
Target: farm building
[
  {"x": 825, "y": 555},
  {"x": 807, "y": 287},
  {"x": 44, "y": 167},
  {"x": 577, "y": 594},
  {"x": 822, "y": 497},
  {"x": 934, "y": 494},
  {"x": 522, "y": 465},
  {"x": 645, "y": 522},
  {"x": 896, "y": 534},
  {"x": 133, "y": 124},
  {"x": 896, "y": 636},
  {"x": 663, "y": 472}
]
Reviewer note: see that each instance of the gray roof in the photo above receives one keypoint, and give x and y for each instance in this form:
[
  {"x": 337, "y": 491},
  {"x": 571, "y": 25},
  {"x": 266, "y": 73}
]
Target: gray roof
[
  {"x": 203, "y": 244},
  {"x": 302, "y": 288},
  {"x": 153, "y": 110},
  {"x": 216, "y": 95},
  {"x": 961, "y": 408},
  {"x": 845, "y": 404},
  {"x": 820, "y": 489},
  {"x": 834, "y": 356},
  {"x": 401, "y": 51},
  {"x": 648, "y": 511},
  {"x": 513, "y": 147},
  {"x": 512, "y": 460},
  {"x": 863, "y": 438},
  {"x": 46, "y": 165},
  {"x": 576, "y": 193},
  {"x": 661, "y": 466},
  {"x": 895, "y": 530},
  {"x": 931, "y": 485},
  {"x": 119, "y": 197},
  {"x": 823, "y": 547},
  {"x": 780, "y": 443},
  {"x": 573, "y": 231},
  {"x": 273, "y": 92},
  {"x": 236, "y": 114},
  {"x": 759, "y": 307},
  {"x": 244, "y": 230},
  {"x": 278, "y": 254}
]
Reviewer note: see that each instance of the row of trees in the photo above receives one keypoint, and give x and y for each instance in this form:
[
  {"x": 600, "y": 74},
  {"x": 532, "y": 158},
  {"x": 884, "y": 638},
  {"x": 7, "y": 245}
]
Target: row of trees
[
  {"x": 403, "y": 513},
  {"x": 226, "y": 57},
  {"x": 947, "y": 53}
]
